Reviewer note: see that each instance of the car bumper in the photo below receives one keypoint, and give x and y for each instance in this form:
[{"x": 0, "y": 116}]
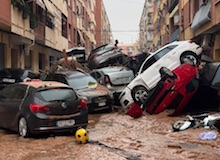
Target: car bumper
[
  {"x": 39, "y": 124},
  {"x": 99, "y": 106},
  {"x": 125, "y": 98}
]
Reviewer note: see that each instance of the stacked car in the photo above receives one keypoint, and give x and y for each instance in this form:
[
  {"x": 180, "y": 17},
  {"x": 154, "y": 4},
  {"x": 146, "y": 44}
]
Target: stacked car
[
  {"x": 171, "y": 56},
  {"x": 168, "y": 78}
]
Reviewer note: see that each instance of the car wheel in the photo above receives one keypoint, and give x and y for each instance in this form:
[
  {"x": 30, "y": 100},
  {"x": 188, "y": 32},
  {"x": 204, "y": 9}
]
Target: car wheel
[
  {"x": 23, "y": 127},
  {"x": 181, "y": 125},
  {"x": 164, "y": 71},
  {"x": 189, "y": 57},
  {"x": 139, "y": 94}
]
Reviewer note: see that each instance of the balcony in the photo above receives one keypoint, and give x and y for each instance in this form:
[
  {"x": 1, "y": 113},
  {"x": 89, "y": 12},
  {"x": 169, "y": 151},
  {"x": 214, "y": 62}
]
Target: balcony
[{"x": 173, "y": 4}]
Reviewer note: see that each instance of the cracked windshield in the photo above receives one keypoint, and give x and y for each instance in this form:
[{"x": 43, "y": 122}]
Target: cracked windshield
[{"x": 109, "y": 79}]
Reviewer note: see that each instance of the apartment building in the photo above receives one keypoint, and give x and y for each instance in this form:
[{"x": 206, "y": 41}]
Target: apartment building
[
  {"x": 187, "y": 19},
  {"x": 103, "y": 27},
  {"x": 35, "y": 33}
]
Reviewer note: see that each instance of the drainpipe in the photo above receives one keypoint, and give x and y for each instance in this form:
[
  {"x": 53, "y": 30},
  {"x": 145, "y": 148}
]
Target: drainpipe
[{"x": 23, "y": 51}]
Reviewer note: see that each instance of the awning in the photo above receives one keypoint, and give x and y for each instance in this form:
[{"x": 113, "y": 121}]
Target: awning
[
  {"x": 174, "y": 36},
  {"x": 82, "y": 40},
  {"x": 40, "y": 3},
  {"x": 202, "y": 16},
  {"x": 49, "y": 6}
]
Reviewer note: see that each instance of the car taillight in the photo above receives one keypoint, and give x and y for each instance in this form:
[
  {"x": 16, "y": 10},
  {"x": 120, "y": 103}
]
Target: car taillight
[
  {"x": 83, "y": 104},
  {"x": 38, "y": 108},
  {"x": 107, "y": 80},
  {"x": 93, "y": 56},
  {"x": 191, "y": 41}
]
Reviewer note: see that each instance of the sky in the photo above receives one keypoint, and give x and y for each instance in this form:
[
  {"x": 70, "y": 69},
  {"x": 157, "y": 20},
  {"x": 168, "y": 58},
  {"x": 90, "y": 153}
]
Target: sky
[{"x": 124, "y": 17}]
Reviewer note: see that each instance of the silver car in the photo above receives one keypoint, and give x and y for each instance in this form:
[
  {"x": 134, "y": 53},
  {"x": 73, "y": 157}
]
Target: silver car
[{"x": 115, "y": 78}]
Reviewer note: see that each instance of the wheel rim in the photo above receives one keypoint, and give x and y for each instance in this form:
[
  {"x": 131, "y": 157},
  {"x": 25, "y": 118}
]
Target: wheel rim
[
  {"x": 23, "y": 127},
  {"x": 192, "y": 59},
  {"x": 140, "y": 96}
]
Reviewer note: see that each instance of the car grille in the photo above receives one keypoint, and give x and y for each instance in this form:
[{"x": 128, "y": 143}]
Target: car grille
[{"x": 99, "y": 99}]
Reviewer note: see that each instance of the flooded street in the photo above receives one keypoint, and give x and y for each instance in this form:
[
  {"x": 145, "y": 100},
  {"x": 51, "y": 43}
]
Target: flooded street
[{"x": 116, "y": 136}]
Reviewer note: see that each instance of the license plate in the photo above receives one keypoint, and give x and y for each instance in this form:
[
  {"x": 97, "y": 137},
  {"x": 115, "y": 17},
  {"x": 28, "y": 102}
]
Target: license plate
[
  {"x": 102, "y": 103},
  {"x": 8, "y": 80},
  {"x": 66, "y": 123}
]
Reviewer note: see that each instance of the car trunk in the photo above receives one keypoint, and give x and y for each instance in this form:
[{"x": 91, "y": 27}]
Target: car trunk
[{"x": 121, "y": 77}]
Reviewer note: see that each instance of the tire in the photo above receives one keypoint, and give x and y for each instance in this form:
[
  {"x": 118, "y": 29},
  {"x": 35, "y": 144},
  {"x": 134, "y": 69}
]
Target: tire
[
  {"x": 23, "y": 129},
  {"x": 139, "y": 94},
  {"x": 189, "y": 57},
  {"x": 164, "y": 71}
]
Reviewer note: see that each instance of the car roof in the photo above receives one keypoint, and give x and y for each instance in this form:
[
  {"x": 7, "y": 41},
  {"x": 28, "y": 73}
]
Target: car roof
[
  {"x": 112, "y": 69},
  {"x": 70, "y": 73},
  {"x": 39, "y": 84}
]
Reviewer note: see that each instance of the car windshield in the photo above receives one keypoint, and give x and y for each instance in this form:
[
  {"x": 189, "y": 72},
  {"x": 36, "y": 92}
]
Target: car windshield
[
  {"x": 61, "y": 94},
  {"x": 82, "y": 82}
]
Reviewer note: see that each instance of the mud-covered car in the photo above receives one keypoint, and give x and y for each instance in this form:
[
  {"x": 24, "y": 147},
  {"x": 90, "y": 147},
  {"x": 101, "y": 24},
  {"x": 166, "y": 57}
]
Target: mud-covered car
[
  {"x": 96, "y": 96},
  {"x": 175, "y": 89},
  {"x": 115, "y": 78},
  {"x": 39, "y": 107},
  {"x": 171, "y": 56}
]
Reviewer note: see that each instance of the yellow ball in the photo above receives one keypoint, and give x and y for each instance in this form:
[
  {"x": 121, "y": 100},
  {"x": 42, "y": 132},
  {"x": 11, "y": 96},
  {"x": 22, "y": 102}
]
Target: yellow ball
[{"x": 82, "y": 136}]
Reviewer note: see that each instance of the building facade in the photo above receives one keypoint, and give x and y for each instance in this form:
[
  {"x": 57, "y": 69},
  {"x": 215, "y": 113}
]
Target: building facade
[
  {"x": 103, "y": 27},
  {"x": 184, "y": 20},
  {"x": 35, "y": 33}
]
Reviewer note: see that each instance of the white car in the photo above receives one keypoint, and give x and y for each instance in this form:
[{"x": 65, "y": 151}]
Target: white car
[{"x": 170, "y": 56}]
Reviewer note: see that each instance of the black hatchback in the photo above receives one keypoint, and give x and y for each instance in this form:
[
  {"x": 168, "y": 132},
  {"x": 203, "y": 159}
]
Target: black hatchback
[{"x": 41, "y": 107}]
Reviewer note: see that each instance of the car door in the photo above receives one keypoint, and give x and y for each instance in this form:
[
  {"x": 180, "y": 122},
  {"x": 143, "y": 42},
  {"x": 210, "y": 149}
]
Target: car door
[
  {"x": 11, "y": 97},
  {"x": 150, "y": 68}
]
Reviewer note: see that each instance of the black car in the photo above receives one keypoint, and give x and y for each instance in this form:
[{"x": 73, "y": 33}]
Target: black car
[
  {"x": 135, "y": 60},
  {"x": 97, "y": 96},
  {"x": 14, "y": 75},
  {"x": 41, "y": 107},
  {"x": 78, "y": 52},
  {"x": 104, "y": 56}
]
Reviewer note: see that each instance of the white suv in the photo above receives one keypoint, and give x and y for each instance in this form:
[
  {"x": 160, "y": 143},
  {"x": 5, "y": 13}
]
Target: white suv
[{"x": 170, "y": 56}]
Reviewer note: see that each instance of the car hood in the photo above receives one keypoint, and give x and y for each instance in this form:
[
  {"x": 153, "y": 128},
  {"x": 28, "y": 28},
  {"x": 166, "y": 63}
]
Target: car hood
[{"x": 93, "y": 91}]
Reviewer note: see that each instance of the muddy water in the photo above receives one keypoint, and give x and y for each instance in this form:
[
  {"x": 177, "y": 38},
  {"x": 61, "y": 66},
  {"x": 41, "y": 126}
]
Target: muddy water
[{"x": 116, "y": 136}]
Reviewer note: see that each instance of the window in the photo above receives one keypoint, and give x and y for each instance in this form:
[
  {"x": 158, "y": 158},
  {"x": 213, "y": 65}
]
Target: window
[
  {"x": 57, "y": 94},
  {"x": 42, "y": 60},
  {"x": 49, "y": 20},
  {"x": 41, "y": 13},
  {"x": 164, "y": 52},
  {"x": 64, "y": 26},
  {"x": 156, "y": 56},
  {"x": 96, "y": 75},
  {"x": 148, "y": 63},
  {"x": 12, "y": 92}
]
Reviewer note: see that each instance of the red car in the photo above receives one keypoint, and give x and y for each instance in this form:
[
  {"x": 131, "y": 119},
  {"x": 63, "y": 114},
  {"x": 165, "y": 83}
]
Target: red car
[{"x": 174, "y": 90}]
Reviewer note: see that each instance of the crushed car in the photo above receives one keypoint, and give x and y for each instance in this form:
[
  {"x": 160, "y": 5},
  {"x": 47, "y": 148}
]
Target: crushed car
[
  {"x": 104, "y": 56},
  {"x": 171, "y": 56},
  {"x": 115, "y": 78},
  {"x": 175, "y": 89}
]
